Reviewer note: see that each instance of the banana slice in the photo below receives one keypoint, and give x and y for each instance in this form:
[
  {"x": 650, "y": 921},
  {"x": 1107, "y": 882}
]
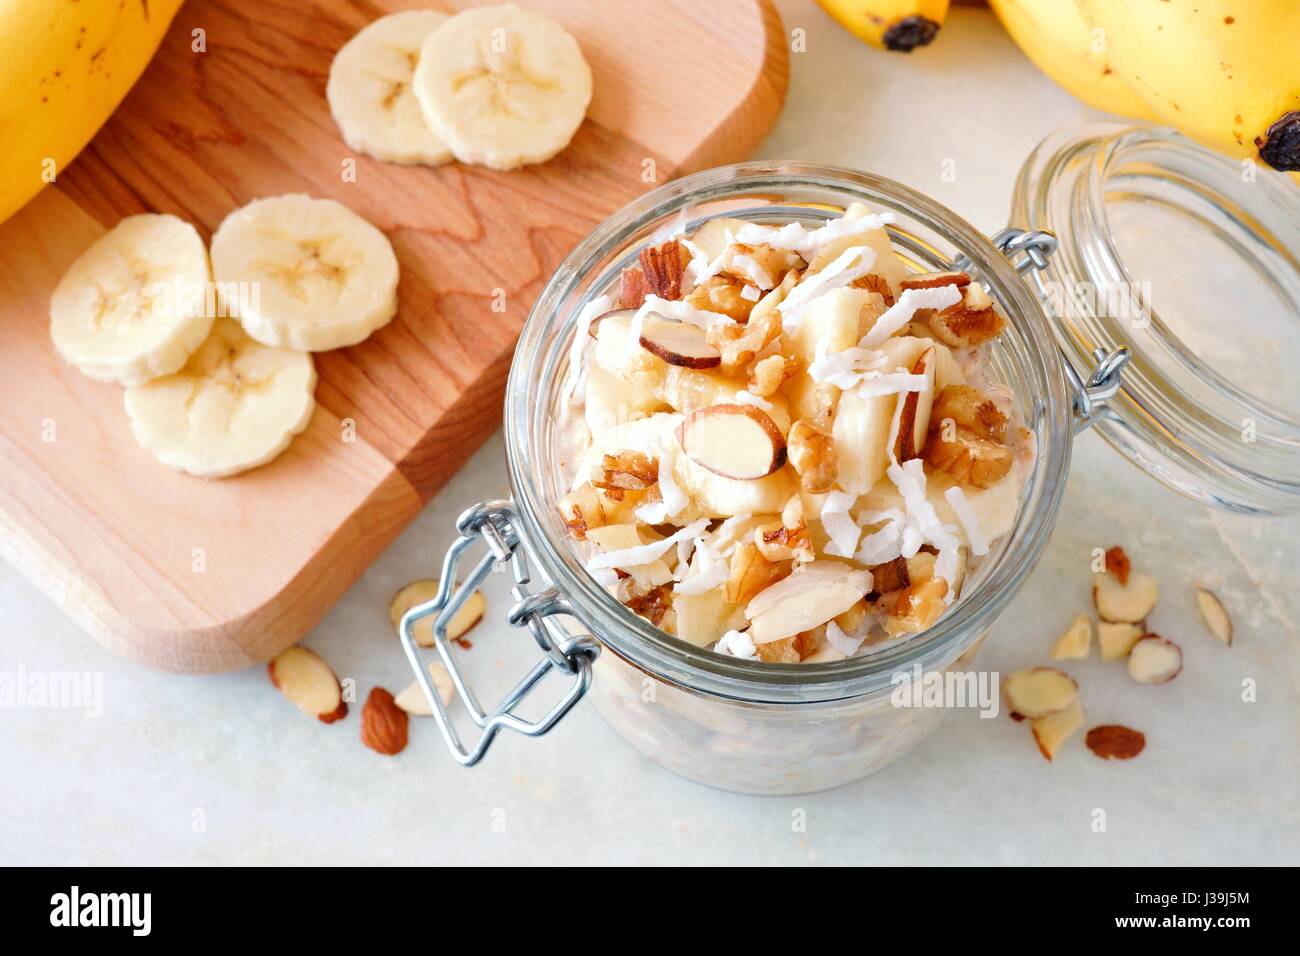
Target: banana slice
[
  {"x": 133, "y": 306},
  {"x": 503, "y": 86},
  {"x": 369, "y": 90},
  {"x": 317, "y": 276},
  {"x": 235, "y": 405}
]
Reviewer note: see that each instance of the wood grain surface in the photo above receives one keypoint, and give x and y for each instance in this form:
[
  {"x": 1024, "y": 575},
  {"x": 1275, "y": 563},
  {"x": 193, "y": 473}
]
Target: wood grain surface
[{"x": 195, "y": 575}]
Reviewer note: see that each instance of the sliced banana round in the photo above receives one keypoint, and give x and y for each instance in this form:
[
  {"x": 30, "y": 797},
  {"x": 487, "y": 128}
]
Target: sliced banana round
[
  {"x": 503, "y": 86},
  {"x": 369, "y": 90},
  {"x": 235, "y": 405},
  {"x": 133, "y": 306},
  {"x": 303, "y": 273}
]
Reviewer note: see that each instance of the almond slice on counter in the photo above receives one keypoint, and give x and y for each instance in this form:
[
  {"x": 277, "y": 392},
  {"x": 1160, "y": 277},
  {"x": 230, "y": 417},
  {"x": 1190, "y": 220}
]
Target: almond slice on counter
[
  {"x": 1117, "y": 639},
  {"x": 310, "y": 683},
  {"x": 679, "y": 343},
  {"x": 1075, "y": 642},
  {"x": 412, "y": 699},
  {"x": 800, "y": 602},
  {"x": 1115, "y": 742},
  {"x": 384, "y": 725},
  {"x": 734, "y": 441},
  {"x": 914, "y": 419},
  {"x": 419, "y": 592},
  {"x": 933, "y": 280},
  {"x": 1128, "y": 603},
  {"x": 1052, "y": 731},
  {"x": 593, "y": 326},
  {"x": 1155, "y": 660},
  {"x": 1039, "y": 692},
  {"x": 1215, "y": 615}
]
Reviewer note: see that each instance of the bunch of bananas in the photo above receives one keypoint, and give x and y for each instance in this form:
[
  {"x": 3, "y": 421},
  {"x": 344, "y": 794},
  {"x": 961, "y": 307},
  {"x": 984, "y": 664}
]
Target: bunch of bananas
[
  {"x": 1223, "y": 72},
  {"x": 63, "y": 68}
]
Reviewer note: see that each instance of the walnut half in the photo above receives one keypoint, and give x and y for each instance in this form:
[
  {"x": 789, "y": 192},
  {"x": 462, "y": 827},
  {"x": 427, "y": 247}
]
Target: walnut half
[{"x": 812, "y": 453}]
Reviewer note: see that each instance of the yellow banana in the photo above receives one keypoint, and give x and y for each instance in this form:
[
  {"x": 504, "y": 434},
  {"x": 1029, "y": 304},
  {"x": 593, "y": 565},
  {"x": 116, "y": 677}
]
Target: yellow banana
[
  {"x": 900, "y": 25},
  {"x": 1055, "y": 36},
  {"x": 1223, "y": 72},
  {"x": 64, "y": 66}
]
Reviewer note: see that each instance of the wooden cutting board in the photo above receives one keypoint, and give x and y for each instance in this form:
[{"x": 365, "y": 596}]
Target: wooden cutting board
[{"x": 197, "y": 575}]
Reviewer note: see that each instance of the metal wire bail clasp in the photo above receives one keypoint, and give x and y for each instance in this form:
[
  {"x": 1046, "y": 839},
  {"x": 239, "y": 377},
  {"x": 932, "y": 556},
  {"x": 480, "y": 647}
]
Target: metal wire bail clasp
[{"x": 495, "y": 523}]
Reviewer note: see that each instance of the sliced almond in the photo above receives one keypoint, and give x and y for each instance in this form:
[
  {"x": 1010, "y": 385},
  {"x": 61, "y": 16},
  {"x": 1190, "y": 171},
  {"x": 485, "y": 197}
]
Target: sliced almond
[
  {"x": 1215, "y": 615},
  {"x": 593, "y": 327},
  {"x": 1117, "y": 639},
  {"x": 1039, "y": 691},
  {"x": 735, "y": 441},
  {"x": 1052, "y": 731},
  {"x": 933, "y": 280},
  {"x": 1155, "y": 660},
  {"x": 1118, "y": 564},
  {"x": 1075, "y": 642},
  {"x": 914, "y": 419},
  {"x": 1115, "y": 742},
  {"x": 810, "y": 596},
  {"x": 1130, "y": 602},
  {"x": 421, "y": 592},
  {"x": 311, "y": 684},
  {"x": 679, "y": 343},
  {"x": 412, "y": 699},
  {"x": 384, "y": 725}
]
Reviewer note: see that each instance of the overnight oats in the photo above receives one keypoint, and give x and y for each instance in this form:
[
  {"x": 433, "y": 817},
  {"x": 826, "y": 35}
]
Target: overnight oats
[{"x": 781, "y": 443}]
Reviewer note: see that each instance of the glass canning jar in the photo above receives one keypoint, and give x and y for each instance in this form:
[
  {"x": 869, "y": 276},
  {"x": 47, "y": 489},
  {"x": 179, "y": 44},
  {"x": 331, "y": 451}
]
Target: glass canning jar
[{"x": 771, "y": 728}]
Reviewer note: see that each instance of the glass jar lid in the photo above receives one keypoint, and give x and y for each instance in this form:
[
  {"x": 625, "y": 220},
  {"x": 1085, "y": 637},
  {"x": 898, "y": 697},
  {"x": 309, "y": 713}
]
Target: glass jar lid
[{"x": 1189, "y": 259}]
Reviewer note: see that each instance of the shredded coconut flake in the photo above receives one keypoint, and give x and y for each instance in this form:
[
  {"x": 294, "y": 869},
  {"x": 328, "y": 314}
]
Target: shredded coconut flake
[
  {"x": 970, "y": 522},
  {"x": 852, "y": 263},
  {"x": 746, "y": 398},
  {"x": 885, "y": 543},
  {"x": 844, "y": 643},
  {"x": 841, "y": 529},
  {"x": 708, "y": 571},
  {"x": 643, "y": 554},
  {"x": 680, "y": 311},
  {"x": 750, "y": 294},
  {"x": 737, "y": 644},
  {"x": 798, "y": 238},
  {"x": 902, "y": 311},
  {"x": 573, "y": 379},
  {"x": 724, "y": 538},
  {"x": 844, "y": 369}
]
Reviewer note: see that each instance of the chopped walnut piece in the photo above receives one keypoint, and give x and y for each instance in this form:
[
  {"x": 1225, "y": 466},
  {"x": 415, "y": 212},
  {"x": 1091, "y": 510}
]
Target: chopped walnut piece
[
  {"x": 663, "y": 267},
  {"x": 626, "y": 471},
  {"x": 812, "y": 453},
  {"x": 770, "y": 373},
  {"x": 918, "y": 607},
  {"x": 784, "y": 651},
  {"x": 759, "y": 265},
  {"x": 851, "y": 621},
  {"x": 787, "y": 539},
  {"x": 874, "y": 283},
  {"x": 722, "y": 294},
  {"x": 890, "y": 576},
  {"x": 740, "y": 344},
  {"x": 971, "y": 409},
  {"x": 652, "y": 605},
  {"x": 632, "y": 288},
  {"x": 751, "y": 572},
  {"x": 582, "y": 509},
  {"x": 969, "y": 459},
  {"x": 1118, "y": 564},
  {"x": 961, "y": 326}
]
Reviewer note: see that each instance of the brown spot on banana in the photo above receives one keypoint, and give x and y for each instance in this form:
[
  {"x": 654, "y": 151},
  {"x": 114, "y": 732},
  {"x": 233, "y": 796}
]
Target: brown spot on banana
[{"x": 909, "y": 33}]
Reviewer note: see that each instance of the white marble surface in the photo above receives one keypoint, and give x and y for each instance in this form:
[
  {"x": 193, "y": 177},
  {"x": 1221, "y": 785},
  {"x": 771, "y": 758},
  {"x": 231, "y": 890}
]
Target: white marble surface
[{"x": 222, "y": 770}]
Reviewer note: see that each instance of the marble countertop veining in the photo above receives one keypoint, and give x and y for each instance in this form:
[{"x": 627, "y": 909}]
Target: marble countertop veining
[{"x": 222, "y": 770}]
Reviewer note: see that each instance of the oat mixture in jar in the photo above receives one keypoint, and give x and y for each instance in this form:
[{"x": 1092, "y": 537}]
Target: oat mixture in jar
[{"x": 781, "y": 442}]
